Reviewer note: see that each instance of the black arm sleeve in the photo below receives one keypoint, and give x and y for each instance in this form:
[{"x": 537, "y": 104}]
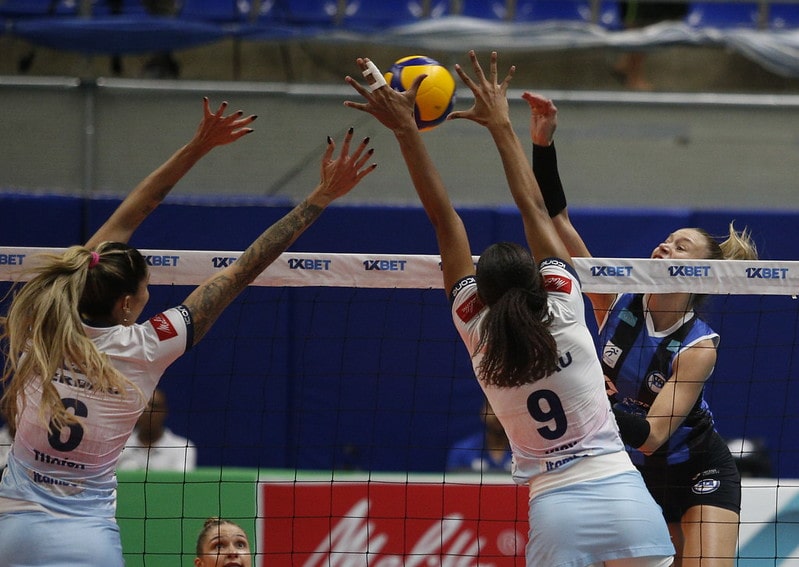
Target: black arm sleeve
[
  {"x": 634, "y": 430},
  {"x": 545, "y": 168}
]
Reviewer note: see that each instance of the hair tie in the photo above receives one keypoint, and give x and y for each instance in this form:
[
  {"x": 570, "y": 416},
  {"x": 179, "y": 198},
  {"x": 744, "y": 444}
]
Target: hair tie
[{"x": 95, "y": 259}]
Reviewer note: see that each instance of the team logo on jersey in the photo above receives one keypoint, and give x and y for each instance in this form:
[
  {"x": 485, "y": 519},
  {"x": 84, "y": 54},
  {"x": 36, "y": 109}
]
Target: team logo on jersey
[
  {"x": 706, "y": 486},
  {"x": 674, "y": 346},
  {"x": 628, "y": 317},
  {"x": 655, "y": 381},
  {"x": 557, "y": 283},
  {"x": 469, "y": 308},
  {"x": 163, "y": 327},
  {"x": 611, "y": 354}
]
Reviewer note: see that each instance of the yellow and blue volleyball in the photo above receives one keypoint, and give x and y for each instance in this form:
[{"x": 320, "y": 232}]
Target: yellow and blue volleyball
[{"x": 436, "y": 95}]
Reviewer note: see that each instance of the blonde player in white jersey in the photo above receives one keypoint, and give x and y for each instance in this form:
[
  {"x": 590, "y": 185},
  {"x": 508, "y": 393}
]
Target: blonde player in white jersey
[
  {"x": 80, "y": 369},
  {"x": 524, "y": 326}
]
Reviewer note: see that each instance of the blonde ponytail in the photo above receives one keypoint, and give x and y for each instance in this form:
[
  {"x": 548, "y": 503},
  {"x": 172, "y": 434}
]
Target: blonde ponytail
[{"x": 43, "y": 334}]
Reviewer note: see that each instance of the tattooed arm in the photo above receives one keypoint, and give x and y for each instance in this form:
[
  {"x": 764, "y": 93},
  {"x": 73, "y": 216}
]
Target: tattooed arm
[{"x": 339, "y": 176}]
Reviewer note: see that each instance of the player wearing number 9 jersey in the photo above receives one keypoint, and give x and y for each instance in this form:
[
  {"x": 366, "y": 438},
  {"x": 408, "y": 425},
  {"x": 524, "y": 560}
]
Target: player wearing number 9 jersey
[
  {"x": 80, "y": 369},
  {"x": 532, "y": 352}
]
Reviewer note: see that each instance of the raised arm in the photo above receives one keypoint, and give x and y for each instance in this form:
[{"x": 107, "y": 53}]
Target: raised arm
[
  {"x": 338, "y": 177},
  {"x": 214, "y": 130},
  {"x": 491, "y": 110},
  {"x": 395, "y": 111},
  {"x": 543, "y": 123}
]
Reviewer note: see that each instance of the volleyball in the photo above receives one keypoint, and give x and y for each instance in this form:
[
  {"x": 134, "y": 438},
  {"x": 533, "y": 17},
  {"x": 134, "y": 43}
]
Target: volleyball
[{"x": 436, "y": 95}]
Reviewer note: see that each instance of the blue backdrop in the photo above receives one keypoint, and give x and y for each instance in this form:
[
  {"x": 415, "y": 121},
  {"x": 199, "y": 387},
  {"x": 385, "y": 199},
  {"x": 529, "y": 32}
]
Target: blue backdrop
[{"x": 321, "y": 378}]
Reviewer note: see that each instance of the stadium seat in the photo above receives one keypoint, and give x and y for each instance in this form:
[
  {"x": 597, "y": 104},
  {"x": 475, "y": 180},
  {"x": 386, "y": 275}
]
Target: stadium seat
[
  {"x": 312, "y": 12},
  {"x": 783, "y": 16},
  {"x": 116, "y": 7},
  {"x": 569, "y": 11},
  {"x": 486, "y": 9},
  {"x": 723, "y": 15},
  {"x": 216, "y": 10},
  {"x": 38, "y": 8},
  {"x": 376, "y": 14}
]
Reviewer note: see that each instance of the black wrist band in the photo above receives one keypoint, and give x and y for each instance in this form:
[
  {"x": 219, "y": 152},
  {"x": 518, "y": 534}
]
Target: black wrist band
[
  {"x": 545, "y": 168},
  {"x": 634, "y": 430}
]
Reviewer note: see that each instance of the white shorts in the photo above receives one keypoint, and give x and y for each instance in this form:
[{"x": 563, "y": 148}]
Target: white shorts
[
  {"x": 596, "y": 521},
  {"x": 38, "y": 538}
]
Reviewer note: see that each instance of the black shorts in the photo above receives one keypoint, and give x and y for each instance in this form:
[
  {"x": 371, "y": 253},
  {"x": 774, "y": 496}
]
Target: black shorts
[{"x": 709, "y": 478}]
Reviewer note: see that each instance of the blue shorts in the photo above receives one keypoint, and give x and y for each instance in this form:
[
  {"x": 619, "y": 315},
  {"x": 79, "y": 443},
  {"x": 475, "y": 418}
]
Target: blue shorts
[
  {"x": 37, "y": 538},
  {"x": 595, "y": 521}
]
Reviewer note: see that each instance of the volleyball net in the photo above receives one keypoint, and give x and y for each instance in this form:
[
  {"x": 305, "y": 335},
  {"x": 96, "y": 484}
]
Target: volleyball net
[{"x": 326, "y": 399}]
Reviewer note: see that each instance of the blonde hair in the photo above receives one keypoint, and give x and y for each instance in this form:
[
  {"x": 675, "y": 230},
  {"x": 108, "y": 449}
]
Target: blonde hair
[
  {"x": 736, "y": 246},
  {"x": 43, "y": 332}
]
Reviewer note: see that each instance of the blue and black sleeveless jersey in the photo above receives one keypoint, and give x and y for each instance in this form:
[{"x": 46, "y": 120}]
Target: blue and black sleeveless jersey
[{"x": 637, "y": 362}]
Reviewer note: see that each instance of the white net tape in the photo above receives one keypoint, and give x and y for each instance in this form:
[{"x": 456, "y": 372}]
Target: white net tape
[{"x": 598, "y": 275}]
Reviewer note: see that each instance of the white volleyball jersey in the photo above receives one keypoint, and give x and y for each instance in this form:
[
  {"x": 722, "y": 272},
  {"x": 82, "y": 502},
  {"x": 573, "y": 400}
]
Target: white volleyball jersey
[
  {"x": 556, "y": 421},
  {"x": 73, "y": 470}
]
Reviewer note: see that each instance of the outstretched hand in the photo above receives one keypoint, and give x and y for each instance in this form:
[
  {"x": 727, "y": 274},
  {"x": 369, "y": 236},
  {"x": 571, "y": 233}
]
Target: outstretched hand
[
  {"x": 490, "y": 97},
  {"x": 216, "y": 129},
  {"x": 393, "y": 109},
  {"x": 339, "y": 175},
  {"x": 543, "y": 118}
]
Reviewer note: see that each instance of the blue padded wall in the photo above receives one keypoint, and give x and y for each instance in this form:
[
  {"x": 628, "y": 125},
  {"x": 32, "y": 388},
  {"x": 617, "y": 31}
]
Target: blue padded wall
[{"x": 384, "y": 398}]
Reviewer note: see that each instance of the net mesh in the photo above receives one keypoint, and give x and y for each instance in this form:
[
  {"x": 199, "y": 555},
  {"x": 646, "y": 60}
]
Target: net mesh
[{"x": 324, "y": 402}]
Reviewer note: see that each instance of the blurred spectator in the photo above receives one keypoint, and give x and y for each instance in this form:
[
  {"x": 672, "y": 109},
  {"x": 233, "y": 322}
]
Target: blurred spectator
[
  {"x": 751, "y": 456},
  {"x": 26, "y": 61},
  {"x": 485, "y": 451},
  {"x": 630, "y": 67},
  {"x": 163, "y": 64},
  {"x": 152, "y": 446}
]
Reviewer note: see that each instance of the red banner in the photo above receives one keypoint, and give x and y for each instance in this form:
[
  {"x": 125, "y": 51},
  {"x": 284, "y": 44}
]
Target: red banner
[{"x": 392, "y": 524}]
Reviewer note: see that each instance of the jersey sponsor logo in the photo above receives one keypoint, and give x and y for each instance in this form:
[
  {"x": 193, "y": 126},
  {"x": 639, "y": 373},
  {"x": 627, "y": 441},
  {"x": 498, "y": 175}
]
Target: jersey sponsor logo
[
  {"x": 553, "y": 262},
  {"x": 655, "y": 381},
  {"x": 557, "y": 283},
  {"x": 11, "y": 259},
  {"x": 560, "y": 448},
  {"x": 163, "y": 327},
  {"x": 185, "y": 313},
  {"x": 309, "y": 264},
  {"x": 611, "y": 354},
  {"x": 384, "y": 265},
  {"x": 767, "y": 273},
  {"x": 689, "y": 271},
  {"x": 468, "y": 280},
  {"x": 611, "y": 271},
  {"x": 161, "y": 260},
  {"x": 552, "y": 465},
  {"x": 469, "y": 308},
  {"x": 51, "y": 460},
  {"x": 40, "y": 478},
  {"x": 706, "y": 486}
]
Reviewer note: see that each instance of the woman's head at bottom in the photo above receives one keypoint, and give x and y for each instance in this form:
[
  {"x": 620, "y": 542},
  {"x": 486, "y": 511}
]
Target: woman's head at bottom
[{"x": 222, "y": 543}]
